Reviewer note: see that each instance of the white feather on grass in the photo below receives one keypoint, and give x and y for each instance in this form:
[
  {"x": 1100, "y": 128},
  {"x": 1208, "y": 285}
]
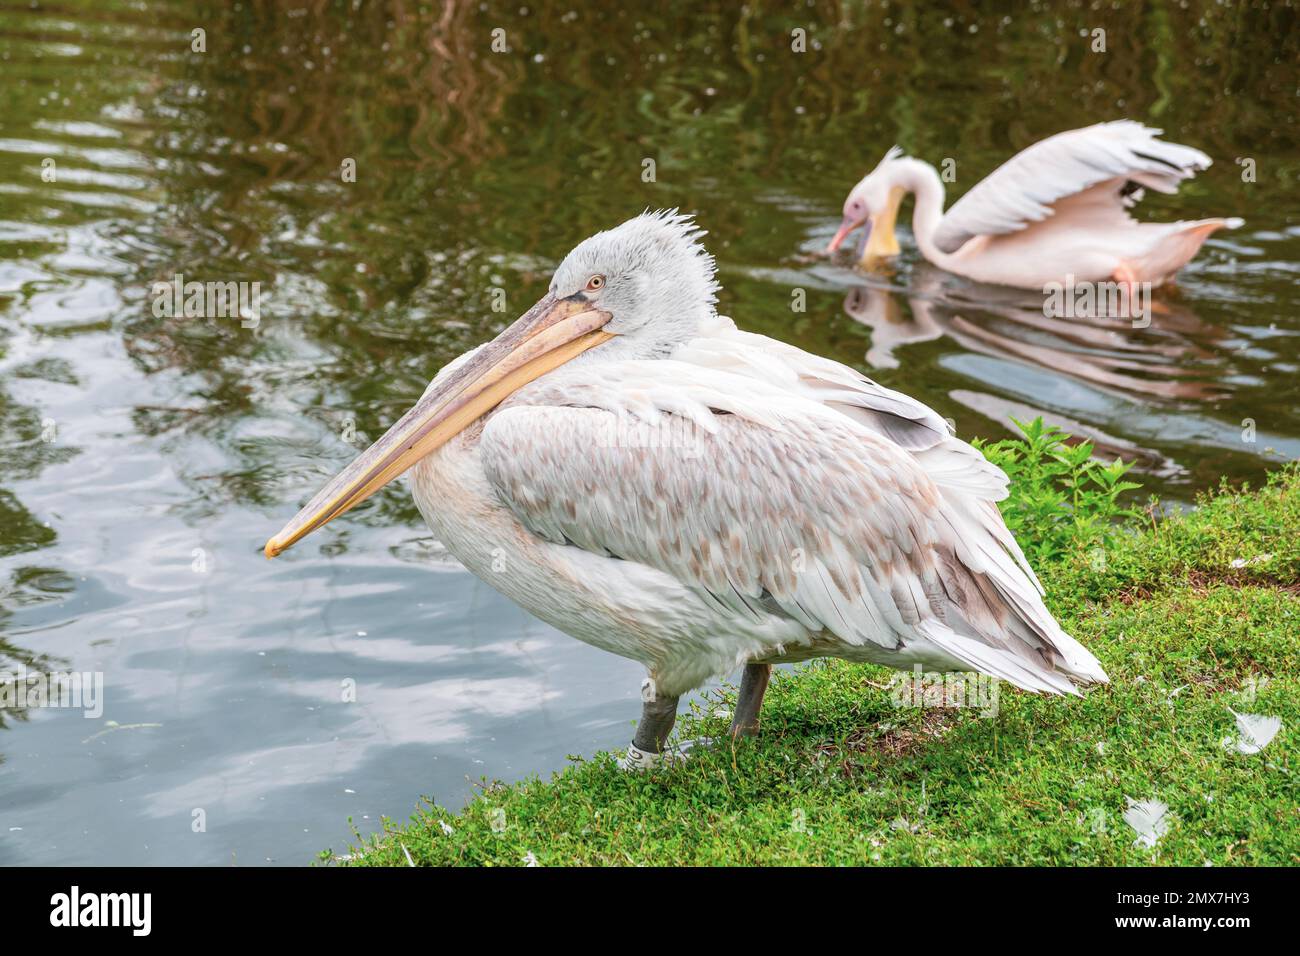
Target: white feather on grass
[
  {"x": 1254, "y": 732},
  {"x": 1150, "y": 820}
]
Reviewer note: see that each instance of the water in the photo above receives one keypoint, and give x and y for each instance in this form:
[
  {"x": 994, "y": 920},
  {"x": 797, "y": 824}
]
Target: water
[{"x": 146, "y": 459}]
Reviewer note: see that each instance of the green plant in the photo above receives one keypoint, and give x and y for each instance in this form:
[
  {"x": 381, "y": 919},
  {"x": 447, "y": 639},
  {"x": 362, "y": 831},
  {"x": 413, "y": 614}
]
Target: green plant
[{"x": 1062, "y": 502}]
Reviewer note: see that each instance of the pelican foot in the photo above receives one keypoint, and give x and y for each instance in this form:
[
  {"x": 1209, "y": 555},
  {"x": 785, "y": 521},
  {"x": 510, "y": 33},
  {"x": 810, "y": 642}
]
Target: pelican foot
[{"x": 636, "y": 760}]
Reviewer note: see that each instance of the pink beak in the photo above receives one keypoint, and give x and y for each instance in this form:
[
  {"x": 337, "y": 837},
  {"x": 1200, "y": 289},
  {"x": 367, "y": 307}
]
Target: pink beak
[{"x": 846, "y": 227}]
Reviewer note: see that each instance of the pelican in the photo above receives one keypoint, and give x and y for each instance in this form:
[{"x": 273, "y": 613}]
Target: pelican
[
  {"x": 631, "y": 468},
  {"x": 1056, "y": 212}
]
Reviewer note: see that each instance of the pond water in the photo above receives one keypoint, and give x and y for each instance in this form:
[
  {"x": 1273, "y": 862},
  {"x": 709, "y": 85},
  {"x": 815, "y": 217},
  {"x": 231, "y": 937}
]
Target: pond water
[{"x": 146, "y": 459}]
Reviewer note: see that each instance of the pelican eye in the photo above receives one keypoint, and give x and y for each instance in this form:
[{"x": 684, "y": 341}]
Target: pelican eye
[{"x": 595, "y": 283}]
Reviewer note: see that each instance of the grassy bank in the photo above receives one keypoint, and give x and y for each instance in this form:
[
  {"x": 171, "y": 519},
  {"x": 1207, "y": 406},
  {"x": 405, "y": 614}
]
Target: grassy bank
[{"x": 1193, "y": 616}]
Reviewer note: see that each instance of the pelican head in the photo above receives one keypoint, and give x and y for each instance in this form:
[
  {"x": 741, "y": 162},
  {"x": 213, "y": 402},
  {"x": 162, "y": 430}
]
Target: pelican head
[
  {"x": 633, "y": 291},
  {"x": 654, "y": 278},
  {"x": 873, "y": 203}
]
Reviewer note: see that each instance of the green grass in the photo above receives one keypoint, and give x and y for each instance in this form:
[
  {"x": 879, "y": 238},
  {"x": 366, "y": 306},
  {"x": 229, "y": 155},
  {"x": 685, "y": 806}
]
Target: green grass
[{"x": 1190, "y": 615}]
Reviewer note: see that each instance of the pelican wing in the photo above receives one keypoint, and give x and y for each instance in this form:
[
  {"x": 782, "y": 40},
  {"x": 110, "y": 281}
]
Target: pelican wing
[
  {"x": 764, "y": 502},
  {"x": 1025, "y": 188},
  {"x": 899, "y": 418}
]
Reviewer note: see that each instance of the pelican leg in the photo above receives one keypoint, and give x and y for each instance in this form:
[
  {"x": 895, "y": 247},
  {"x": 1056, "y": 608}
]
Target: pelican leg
[
  {"x": 658, "y": 714},
  {"x": 749, "y": 702},
  {"x": 1126, "y": 276},
  {"x": 657, "y": 719}
]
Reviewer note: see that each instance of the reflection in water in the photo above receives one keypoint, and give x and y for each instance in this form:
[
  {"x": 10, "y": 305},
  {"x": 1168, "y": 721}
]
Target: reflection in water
[
  {"x": 130, "y": 531},
  {"x": 1173, "y": 358}
]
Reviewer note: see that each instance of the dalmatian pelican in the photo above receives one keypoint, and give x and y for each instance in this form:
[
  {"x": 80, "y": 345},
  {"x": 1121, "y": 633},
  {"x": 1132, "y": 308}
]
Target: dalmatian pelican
[
  {"x": 634, "y": 470},
  {"x": 1057, "y": 212}
]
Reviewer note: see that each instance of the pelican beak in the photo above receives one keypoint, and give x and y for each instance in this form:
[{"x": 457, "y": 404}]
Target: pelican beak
[
  {"x": 549, "y": 334},
  {"x": 880, "y": 240},
  {"x": 847, "y": 225}
]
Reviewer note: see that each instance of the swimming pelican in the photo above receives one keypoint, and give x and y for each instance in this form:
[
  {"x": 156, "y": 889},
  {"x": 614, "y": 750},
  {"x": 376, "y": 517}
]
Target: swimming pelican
[
  {"x": 1056, "y": 212},
  {"x": 634, "y": 470}
]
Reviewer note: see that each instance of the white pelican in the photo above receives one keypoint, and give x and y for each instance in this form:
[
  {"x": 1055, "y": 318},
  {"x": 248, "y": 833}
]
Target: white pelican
[
  {"x": 631, "y": 468},
  {"x": 1056, "y": 212}
]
